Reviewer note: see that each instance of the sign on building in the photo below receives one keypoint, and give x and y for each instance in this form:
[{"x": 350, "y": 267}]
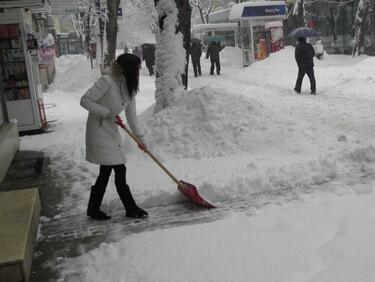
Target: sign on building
[{"x": 63, "y": 7}]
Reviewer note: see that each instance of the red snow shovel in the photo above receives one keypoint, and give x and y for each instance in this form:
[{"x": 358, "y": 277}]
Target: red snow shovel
[{"x": 187, "y": 189}]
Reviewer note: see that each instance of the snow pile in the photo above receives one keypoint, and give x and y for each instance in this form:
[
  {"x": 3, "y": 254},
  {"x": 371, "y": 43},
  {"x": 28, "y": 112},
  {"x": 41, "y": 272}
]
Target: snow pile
[
  {"x": 354, "y": 76},
  {"x": 363, "y": 159},
  {"x": 281, "y": 59},
  {"x": 208, "y": 122},
  {"x": 365, "y": 70},
  {"x": 231, "y": 56},
  {"x": 73, "y": 74},
  {"x": 324, "y": 239},
  {"x": 280, "y": 69},
  {"x": 295, "y": 177},
  {"x": 274, "y": 71}
]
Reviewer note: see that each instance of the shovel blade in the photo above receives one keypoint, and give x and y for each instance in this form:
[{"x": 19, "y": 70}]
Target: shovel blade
[{"x": 191, "y": 192}]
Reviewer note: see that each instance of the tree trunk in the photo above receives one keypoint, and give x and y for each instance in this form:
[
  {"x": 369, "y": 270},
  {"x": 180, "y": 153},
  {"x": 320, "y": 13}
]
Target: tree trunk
[
  {"x": 360, "y": 26},
  {"x": 184, "y": 26},
  {"x": 301, "y": 13},
  {"x": 169, "y": 56},
  {"x": 88, "y": 37},
  {"x": 111, "y": 31},
  {"x": 100, "y": 48}
]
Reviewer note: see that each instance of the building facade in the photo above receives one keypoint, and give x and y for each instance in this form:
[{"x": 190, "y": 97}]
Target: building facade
[{"x": 335, "y": 21}]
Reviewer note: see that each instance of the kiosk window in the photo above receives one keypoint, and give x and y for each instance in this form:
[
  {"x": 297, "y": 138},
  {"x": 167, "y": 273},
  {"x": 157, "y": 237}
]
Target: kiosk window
[
  {"x": 13, "y": 67},
  {"x": 229, "y": 36}
]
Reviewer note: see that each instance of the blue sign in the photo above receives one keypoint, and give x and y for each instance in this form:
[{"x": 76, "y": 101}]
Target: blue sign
[
  {"x": 119, "y": 12},
  {"x": 264, "y": 11}
]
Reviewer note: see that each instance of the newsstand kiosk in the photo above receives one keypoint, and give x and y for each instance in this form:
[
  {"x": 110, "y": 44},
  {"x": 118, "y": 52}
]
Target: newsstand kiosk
[
  {"x": 260, "y": 28},
  {"x": 19, "y": 70}
]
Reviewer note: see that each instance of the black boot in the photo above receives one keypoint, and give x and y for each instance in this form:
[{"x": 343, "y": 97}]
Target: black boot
[
  {"x": 137, "y": 213},
  {"x": 132, "y": 210},
  {"x": 93, "y": 208}
]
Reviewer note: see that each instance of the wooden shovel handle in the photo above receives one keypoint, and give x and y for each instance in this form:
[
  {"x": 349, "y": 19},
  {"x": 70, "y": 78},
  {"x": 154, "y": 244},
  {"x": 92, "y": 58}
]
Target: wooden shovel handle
[{"x": 122, "y": 125}]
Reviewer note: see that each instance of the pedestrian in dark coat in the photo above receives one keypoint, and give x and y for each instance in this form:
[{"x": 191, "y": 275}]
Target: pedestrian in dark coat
[
  {"x": 304, "y": 55},
  {"x": 213, "y": 51},
  {"x": 148, "y": 52},
  {"x": 114, "y": 92},
  {"x": 137, "y": 51},
  {"x": 196, "y": 53},
  {"x": 126, "y": 49}
]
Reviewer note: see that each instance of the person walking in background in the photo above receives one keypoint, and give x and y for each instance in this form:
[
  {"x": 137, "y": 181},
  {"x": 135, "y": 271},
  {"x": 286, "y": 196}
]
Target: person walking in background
[
  {"x": 126, "y": 49},
  {"x": 114, "y": 92},
  {"x": 148, "y": 51},
  {"x": 196, "y": 53},
  {"x": 213, "y": 51},
  {"x": 304, "y": 55},
  {"x": 137, "y": 51}
]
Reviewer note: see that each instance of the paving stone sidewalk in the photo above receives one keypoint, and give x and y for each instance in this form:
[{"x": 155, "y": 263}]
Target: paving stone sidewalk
[{"x": 65, "y": 234}]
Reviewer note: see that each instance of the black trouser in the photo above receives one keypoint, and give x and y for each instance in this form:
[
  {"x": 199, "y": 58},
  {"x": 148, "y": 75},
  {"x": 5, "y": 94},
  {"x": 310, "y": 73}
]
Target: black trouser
[
  {"x": 98, "y": 190},
  {"x": 150, "y": 67},
  {"x": 213, "y": 63},
  {"x": 301, "y": 74},
  {"x": 196, "y": 66}
]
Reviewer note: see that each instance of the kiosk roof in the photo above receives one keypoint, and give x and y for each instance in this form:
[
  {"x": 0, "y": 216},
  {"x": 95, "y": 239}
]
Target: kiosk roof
[{"x": 265, "y": 9}]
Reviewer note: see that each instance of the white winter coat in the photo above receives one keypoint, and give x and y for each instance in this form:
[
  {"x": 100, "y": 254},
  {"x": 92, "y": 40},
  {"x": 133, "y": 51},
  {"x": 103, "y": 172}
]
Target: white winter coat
[{"x": 108, "y": 94}]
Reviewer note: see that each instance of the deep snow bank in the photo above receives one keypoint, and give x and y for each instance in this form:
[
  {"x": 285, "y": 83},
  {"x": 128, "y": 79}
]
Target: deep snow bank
[
  {"x": 73, "y": 74},
  {"x": 231, "y": 56},
  {"x": 208, "y": 122},
  {"x": 279, "y": 71},
  {"x": 330, "y": 173}
]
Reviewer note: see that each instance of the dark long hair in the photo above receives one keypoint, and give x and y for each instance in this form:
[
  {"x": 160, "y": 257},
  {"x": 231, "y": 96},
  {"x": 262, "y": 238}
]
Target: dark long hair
[{"x": 130, "y": 64}]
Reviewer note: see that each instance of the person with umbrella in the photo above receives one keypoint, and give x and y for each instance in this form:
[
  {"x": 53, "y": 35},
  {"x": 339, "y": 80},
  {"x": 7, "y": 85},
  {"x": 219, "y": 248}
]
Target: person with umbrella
[
  {"x": 304, "y": 55},
  {"x": 213, "y": 51},
  {"x": 196, "y": 53}
]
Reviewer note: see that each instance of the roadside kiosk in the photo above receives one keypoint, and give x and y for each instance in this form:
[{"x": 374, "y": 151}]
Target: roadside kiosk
[
  {"x": 254, "y": 37},
  {"x": 20, "y": 87}
]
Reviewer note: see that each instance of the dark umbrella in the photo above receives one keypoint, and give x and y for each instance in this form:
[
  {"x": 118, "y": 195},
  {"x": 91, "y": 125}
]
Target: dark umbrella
[{"x": 304, "y": 32}]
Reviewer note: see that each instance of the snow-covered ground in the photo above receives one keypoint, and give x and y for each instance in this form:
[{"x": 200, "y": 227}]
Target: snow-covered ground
[{"x": 241, "y": 133}]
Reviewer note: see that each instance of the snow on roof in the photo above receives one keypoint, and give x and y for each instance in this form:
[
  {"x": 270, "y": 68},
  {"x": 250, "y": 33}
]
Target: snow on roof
[
  {"x": 214, "y": 26},
  {"x": 237, "y": 10},
  {"x": 273, "y": 24}
]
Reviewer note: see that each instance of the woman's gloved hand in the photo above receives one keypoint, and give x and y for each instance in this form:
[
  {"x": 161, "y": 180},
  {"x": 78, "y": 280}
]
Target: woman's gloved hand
[
  {"x": 142, "y": 146},
  {"x": 112, "y": 115}
]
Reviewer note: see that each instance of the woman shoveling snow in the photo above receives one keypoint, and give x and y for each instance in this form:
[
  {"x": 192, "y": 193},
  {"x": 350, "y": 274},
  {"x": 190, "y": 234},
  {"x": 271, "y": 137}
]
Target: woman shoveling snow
[{"x": 114, "y": 92}]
